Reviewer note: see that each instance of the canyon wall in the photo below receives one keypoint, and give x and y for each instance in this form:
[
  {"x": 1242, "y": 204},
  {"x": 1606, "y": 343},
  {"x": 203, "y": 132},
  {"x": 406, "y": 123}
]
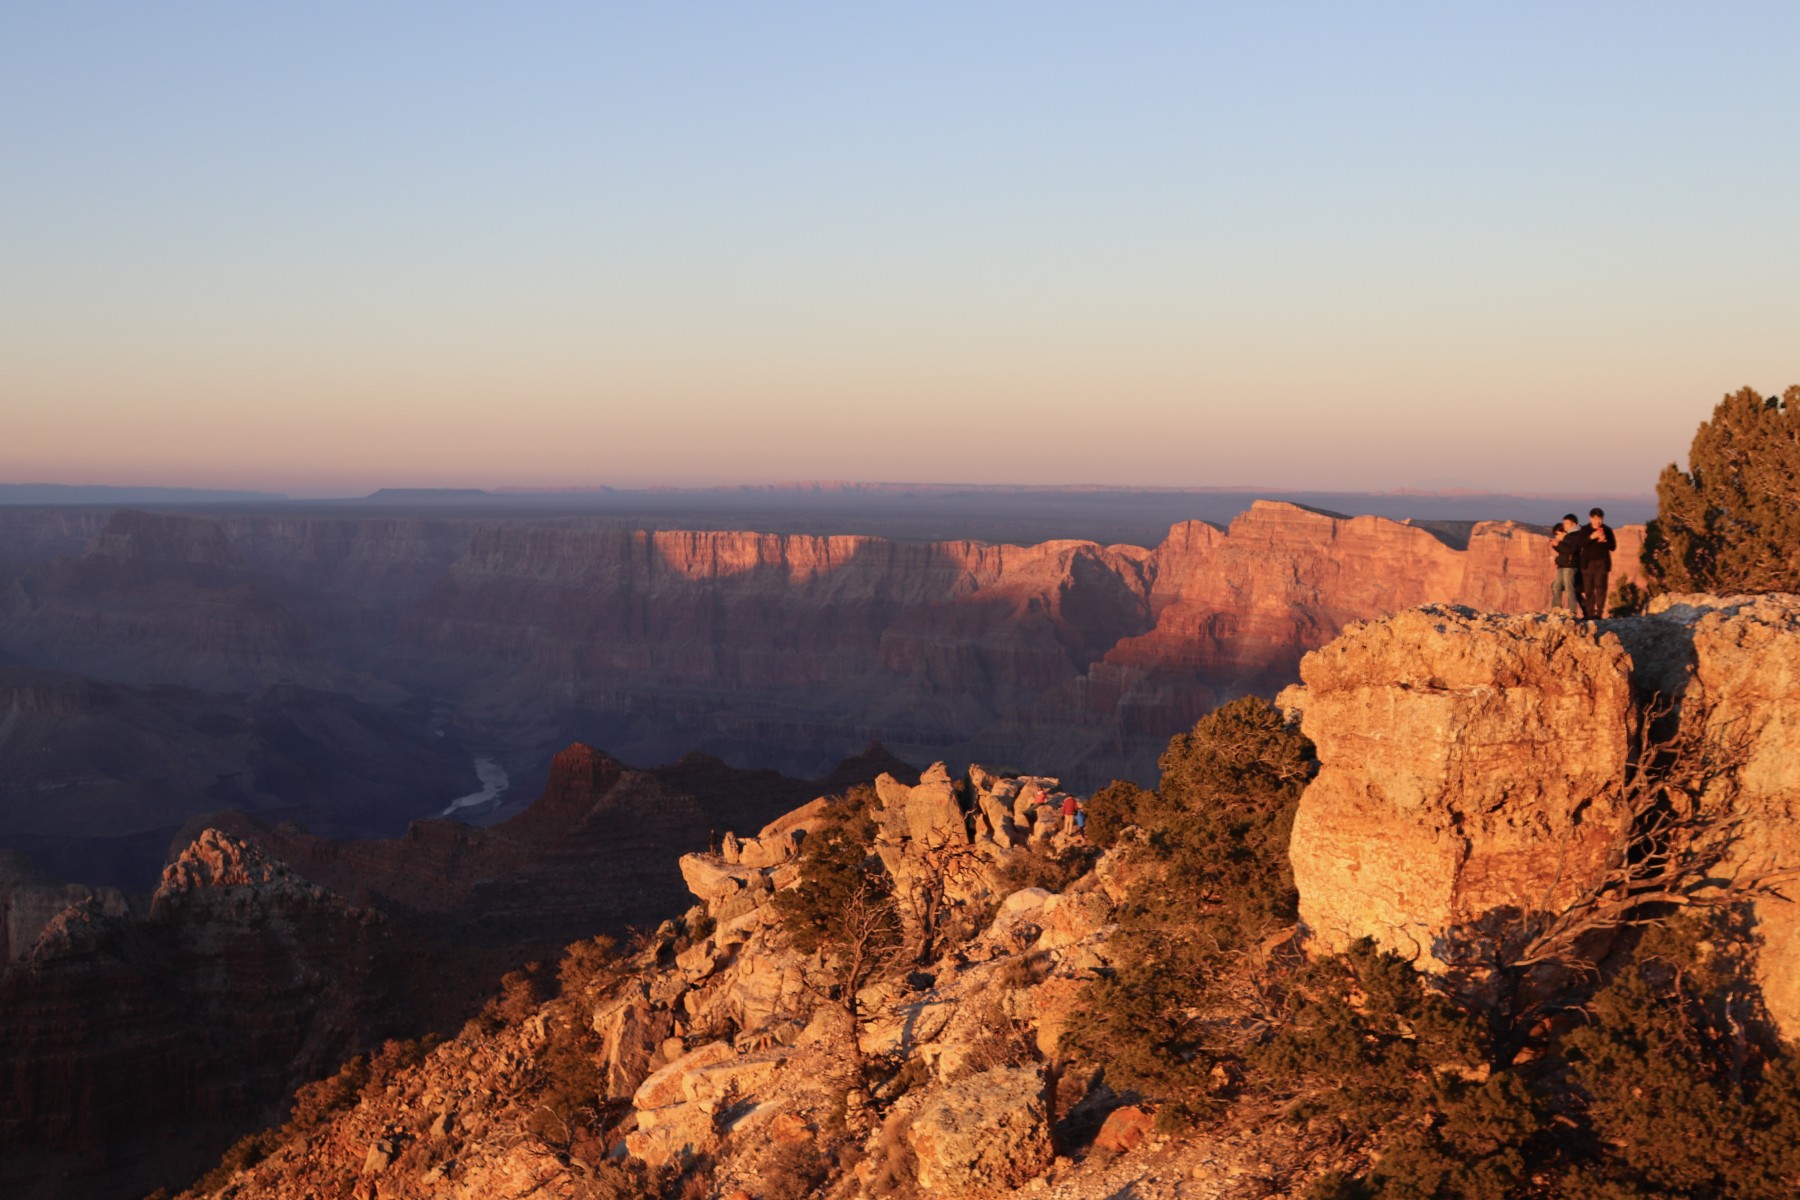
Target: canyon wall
[
  {"x": 516, "y": 637},
  {"x": 154, "y": 1038},
  {"x": 1065, "y": 655}
]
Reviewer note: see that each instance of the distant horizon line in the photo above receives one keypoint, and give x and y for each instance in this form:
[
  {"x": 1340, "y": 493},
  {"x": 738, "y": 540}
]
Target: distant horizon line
[{"x": 519, "y": 491}]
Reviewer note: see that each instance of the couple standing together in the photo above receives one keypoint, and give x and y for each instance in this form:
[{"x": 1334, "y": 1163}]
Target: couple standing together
[{"x": 1583, "y": 561}]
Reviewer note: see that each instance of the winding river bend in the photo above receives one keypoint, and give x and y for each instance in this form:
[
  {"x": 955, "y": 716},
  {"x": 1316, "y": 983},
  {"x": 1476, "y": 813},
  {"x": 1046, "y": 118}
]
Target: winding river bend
[{"x": 494, "y": 783}]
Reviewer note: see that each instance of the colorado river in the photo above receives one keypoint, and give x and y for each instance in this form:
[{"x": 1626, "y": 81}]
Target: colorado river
[{"x": 493, "y": 785}]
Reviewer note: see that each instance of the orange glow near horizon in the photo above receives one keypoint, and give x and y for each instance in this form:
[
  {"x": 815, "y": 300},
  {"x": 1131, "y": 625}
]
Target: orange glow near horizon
[{"x": 1492, "y": 250}]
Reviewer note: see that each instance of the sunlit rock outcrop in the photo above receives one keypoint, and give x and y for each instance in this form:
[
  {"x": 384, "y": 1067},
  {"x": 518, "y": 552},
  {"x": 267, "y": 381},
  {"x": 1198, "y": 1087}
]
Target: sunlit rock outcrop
[{"x": 1474, "y": 769}]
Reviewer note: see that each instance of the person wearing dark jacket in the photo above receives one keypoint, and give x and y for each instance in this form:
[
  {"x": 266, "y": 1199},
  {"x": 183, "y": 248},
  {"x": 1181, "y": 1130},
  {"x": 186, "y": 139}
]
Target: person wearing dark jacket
[
  {"x": 1596, "y": 564},
  {"x": 1565, "y": 543}
]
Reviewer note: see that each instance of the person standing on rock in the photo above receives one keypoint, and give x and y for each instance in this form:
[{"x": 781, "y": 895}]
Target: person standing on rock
[
  {"x": 1070, "y": 807},
  {"x": 1566, "y": 540},
  {"x": 1596, "y": 564}
]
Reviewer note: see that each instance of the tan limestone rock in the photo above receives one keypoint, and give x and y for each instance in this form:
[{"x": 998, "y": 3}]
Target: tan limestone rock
[
  {"x": 1072, "y": 917},
  {"x": 634, "y": 1033},
  {"x": 713, "y": 880},
  {"x": 1472, "y": 767},
  {"x": 804, "y": 819},
  {"x": 985, "y": 1135},
  {"x": 1469, "y": 768},
  {"x": 666, "y": 1087},
  {"x": 1746, "y": 683},
  {"x": 928, "y": 814}
]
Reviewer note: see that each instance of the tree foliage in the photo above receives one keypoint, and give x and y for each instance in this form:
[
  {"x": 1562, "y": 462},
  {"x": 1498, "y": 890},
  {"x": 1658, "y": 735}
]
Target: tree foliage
[
  {"x": 1213, "y": 884},
  {"x": 1358, "y": 1043},
  {"x": 1669, "y": 1087},
  {"x": 1681, "y": 1094},
  {"x": 844, "y": 908},
  {"x": 1731, "y": 521},
  {"x": 836, "y": 867},
  {"x": 1114, "y": 808}
]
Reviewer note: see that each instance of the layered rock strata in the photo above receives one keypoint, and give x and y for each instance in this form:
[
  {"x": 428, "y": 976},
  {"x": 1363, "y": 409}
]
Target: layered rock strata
[
  {"x": 1069, "y": 657},
  {"x": 1066, "y": 656}
]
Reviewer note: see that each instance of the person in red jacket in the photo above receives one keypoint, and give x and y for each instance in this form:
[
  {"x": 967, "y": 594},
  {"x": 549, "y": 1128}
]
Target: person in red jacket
[{"x": 1596, "y": 565}]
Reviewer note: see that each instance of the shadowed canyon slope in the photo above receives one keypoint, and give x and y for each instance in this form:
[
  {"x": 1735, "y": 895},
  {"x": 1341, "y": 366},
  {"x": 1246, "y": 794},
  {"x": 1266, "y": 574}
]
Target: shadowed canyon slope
[{"x": 142, "y": 1035}]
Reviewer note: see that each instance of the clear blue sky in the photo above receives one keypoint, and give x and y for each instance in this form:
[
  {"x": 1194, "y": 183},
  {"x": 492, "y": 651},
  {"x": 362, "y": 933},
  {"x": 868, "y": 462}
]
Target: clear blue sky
[{"x": 327, "y": 247}]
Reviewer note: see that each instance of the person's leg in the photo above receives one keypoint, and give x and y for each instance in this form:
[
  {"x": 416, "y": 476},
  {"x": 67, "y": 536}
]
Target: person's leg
[
  {"x": 1556, "y": 587},
  {"x": 1593, "y": 592}
]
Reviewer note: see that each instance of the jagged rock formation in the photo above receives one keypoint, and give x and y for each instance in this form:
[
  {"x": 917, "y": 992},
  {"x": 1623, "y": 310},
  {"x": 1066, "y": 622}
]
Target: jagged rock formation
[
  {"x": 133, "y": 1044},
  {"x": 728, "y": 1034},
  {"x": 268, "y": 955},
  {"x": 30, "y": 900},
  {"x": 1473, "y": 768}
]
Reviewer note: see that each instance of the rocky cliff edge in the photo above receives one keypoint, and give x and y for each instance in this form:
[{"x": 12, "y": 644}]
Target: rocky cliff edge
[
  {"x": 1476, "y": 771},
  {"x": 1479, "y": 772}
]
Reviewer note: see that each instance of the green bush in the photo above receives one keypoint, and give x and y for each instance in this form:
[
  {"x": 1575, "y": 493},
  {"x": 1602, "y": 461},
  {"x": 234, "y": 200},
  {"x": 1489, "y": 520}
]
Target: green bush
[
  {"x": 590, "y": 967},
  {"x": 244, "y": 1153},
  {"x": 836, "y": 867},
  {"x": 1112, "y": 809},
  {"x": 1052, "y": 870},
  {"x": 1361, "y": 1043},
  {"x": 1682, "y": 1097},
  {"x": 1213, "y": 884},
  {"x": 1665, "y": 1088},
  {"x": 1729, "y": 523}
]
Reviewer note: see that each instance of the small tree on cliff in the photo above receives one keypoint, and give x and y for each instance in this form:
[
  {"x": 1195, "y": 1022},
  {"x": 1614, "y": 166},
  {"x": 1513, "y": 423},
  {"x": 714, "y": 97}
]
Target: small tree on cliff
[
  {"x": 1731, "y": 521},
  {"x": 844, "y": 908},
  {"x": 1212, "y": 886}
]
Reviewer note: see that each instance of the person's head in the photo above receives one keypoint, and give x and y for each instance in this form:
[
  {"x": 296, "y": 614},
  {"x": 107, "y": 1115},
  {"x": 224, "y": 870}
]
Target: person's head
[
  {"x": 1569, "y": 521},
  {"x": 1596, "y": 517}
]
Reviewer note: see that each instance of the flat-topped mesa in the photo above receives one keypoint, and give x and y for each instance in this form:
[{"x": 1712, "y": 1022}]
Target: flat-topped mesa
[{"x": 1473, "y": 769}]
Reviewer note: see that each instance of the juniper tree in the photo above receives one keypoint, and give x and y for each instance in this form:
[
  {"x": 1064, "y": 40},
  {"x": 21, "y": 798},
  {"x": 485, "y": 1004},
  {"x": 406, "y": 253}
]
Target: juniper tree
[
  {"x": 1731, "y": 521},
  {"x": 1211, "y": 884}
]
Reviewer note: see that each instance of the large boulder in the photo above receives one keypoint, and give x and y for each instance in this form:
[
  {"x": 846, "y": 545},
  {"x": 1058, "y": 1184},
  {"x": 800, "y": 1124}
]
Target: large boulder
[
  {"x": 986, "y": 1135},
  {"x": 1473, "y": 768},
  {"x": 1469, "y": 768},
  {"x": 928, "y": 814},
  {"x": 1745, "y": 686},
  {"x": 633, "y": 1032}
]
